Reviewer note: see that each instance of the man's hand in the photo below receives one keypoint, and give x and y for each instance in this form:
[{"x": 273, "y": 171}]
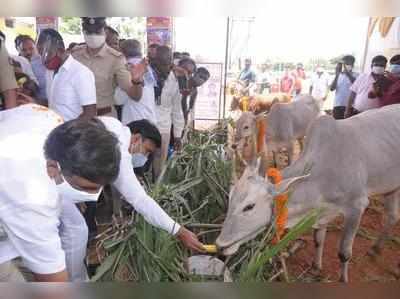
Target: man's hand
[
  {"x": 138, "y": 70},
  {"x": 190, "y": 240},
  {"x": 23, "y": 99},
  {"x": 339, "y": 68},
  {"x": 177, "y": 144}
]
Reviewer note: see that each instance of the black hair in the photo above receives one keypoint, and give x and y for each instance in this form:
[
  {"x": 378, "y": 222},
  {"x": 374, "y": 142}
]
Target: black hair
[
  {"x": 71, "y": 46},
  {"x": 349, "y": 59},
  {"x": 395, "y": 59},
  {"x": 147, "y": 130},
  {"x": 176, "y": 55},
  {"x": 22, "y": 38},
  {"x": 85, "y": 148},
  {"x": 55, "y": 38},
  {"x": 204, "y": 71},
  {"x": 111, "y": 30},
  {"x": 29, "y": 84},
  {"x": 185, "y": 61},
  {"x": 153, "y": 45},
  {"x": 131, "y": 48},
  {"x": 379, "y": 58}
]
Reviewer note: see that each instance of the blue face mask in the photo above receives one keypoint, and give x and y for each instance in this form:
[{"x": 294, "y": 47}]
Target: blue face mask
[
  {"x": 395, "y": 69},
  {"x": 138, "y": 160}
]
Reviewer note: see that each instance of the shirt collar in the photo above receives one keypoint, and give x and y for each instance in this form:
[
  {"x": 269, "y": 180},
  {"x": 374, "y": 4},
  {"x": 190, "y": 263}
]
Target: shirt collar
[
  {"x": 101, "y": 53},
  {"x": 67, "y": 63}
]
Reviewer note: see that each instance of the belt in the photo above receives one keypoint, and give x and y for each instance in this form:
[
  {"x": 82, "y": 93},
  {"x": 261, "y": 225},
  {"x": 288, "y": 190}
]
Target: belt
[{"x": 104, "y": 110}]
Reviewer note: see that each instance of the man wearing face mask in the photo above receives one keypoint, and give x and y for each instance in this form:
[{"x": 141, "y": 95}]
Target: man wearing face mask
[
  {"x": 71, "y": 90},
  {"x": 80, "y": 157},
  {"x": 392, "y": 94},
  {"x": 109, "y": 66},
  {"x": 145, "y": 107},
  {"x": 344, "y": 78},
  {"x": 360, "y": 98},
  {"x": 146, "y": 139}
]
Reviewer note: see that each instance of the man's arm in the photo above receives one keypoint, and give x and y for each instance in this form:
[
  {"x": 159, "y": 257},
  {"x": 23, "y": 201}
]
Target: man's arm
[
  {"x": 34, "y": 235},
  {"x": 350, "y": 102},
  {"x": 55, "y": 277},
  {"x": 8, "y": 84},
  {"x": 131, "y": 81},
  {"x": 86, "y": 89},
  {"x": 89, "y": 111},
  {"x": 129, "y": 186},
  {"x": 10, "y": 98}
]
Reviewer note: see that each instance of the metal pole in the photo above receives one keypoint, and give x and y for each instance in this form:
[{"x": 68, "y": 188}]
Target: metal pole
[
  {"x": 226, "y": 65},
  {"x": 366, "y": 46}
]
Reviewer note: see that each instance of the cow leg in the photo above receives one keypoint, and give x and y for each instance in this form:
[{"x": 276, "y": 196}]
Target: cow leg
[
  {"x": 392, "y": 216},
  {"x": 290, "y": 150},
  {"x": 319, "y": 240},
  {"x": 274, "y": 158},
  {"x": 351, "y": 223},
  {"x": 301, "y": 143}
]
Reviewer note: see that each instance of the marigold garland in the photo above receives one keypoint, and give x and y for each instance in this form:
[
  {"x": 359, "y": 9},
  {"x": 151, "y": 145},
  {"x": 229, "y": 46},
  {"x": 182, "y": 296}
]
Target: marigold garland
[
  {"x": 281, "y": 211},
  {"x": 245, "y": 103},
  {"x": 261, "y": 129}
]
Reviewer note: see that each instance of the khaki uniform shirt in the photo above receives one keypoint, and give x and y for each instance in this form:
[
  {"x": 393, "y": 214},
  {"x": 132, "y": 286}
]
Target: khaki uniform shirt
[
  {"x": 110, "y": 70},
  {"x": 7, "y": 76}
]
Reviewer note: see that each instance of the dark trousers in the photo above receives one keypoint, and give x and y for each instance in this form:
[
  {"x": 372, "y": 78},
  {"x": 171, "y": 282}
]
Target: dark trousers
[{"x": 338, "y": 112}]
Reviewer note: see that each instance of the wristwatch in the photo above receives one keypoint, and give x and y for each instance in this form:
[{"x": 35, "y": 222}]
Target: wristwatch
[{"x": 141, "y": 82}]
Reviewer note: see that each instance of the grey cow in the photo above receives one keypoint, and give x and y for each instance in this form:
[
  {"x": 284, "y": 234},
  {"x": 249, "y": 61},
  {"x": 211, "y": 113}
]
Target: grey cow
[
  {"x": 285, "y": 123},
  {"x": 350, "y": 160}
]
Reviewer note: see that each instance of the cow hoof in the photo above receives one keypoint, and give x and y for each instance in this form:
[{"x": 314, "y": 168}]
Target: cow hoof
[
  {"x": 316, "y": 271},
  {"x": 374, "y": 252}
]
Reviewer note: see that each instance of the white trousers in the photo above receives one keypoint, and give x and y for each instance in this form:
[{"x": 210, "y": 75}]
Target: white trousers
[{"x": 74, "y": 239}]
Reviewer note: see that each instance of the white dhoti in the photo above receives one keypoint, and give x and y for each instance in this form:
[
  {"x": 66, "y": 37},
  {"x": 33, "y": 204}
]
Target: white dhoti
[{"x": 74, "y": 239}]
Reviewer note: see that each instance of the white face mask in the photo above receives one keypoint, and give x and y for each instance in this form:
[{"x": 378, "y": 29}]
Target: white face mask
[
  {"x": 378, "y": 70},
  {"x": 395, "y": 69},
  {"x": 138, "y": 160},
  {"x": 94, "y": 41},
  {"x": 348, "y": 67},
  {"x": 68, "y": 192}
]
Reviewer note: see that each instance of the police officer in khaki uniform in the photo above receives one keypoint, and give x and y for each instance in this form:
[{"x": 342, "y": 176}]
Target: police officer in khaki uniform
[
  {"x": 108, "y": 65},
  {"x": 8, "y": 84}
]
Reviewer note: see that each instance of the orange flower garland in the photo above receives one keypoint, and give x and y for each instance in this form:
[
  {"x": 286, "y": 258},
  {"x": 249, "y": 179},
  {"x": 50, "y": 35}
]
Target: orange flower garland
[
  {"x": 245, "y": 103},
  {"x": 261, "y": 129},
  {"x": 281, "y": 211}
]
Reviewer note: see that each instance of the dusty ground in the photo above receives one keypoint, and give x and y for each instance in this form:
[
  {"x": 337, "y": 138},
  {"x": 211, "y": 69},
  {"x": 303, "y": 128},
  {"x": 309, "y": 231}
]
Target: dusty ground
[{"x": 363, "y": 268}]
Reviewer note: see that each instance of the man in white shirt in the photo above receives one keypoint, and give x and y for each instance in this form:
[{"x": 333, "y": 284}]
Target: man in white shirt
[
  {"x": 168, "y": 105},
  {"x": 71, "y": 90},
  {"x": 80, "y": 157},
  {"x": 319, "y": 86},
  {"x": 144, "y": 108}
]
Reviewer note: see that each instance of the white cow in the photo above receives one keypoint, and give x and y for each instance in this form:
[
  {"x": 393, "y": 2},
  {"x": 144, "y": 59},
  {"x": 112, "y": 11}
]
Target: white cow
[
  {"x": 350, "y": 160},
  {"x": 285, "y": 123}
]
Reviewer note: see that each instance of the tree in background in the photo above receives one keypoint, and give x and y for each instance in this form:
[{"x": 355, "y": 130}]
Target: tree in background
[
  {"x": 126, "y": 27},
  {"x": 70, "y": 25}
]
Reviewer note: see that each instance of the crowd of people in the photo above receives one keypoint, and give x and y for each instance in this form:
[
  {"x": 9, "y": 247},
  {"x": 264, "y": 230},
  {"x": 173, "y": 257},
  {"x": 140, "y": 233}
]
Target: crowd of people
[
  {"x": 353, "y": 92},
  {"x": 102, "y": 111}
]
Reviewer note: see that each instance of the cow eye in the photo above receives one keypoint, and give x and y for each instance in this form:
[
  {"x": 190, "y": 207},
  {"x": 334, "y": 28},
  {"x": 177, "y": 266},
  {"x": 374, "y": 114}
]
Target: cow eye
[{"x": 249, "y": 207}]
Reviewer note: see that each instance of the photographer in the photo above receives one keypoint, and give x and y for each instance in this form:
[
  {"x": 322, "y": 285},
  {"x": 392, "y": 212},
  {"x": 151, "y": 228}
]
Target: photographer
[{"x": 344, "y": 78}]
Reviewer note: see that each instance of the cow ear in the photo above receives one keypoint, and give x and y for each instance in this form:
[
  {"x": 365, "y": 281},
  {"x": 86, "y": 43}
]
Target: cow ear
[{"x": 283, "y": 186}]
